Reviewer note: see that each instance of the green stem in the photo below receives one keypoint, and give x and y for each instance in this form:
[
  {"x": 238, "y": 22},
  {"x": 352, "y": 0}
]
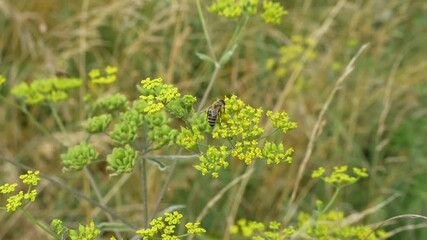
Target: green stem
[
  {"x": 41, "y": 226},
  {"x": 209, "y": 88},
  {"x": 28, "y": 114},
  {"x": 231, "y": 45},
  {"x": 145, "y": 192},
  {"x": 165, "y": 185},
  {"x": 57, "y": 118},
  {"x": 205, "y": 30},
  {"x": 237, "y": 32},
  {"x": 334, "y": 197}
]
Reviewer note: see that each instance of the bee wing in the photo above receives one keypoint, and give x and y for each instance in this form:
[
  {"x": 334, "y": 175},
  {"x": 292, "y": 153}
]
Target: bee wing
[{"x": 205, "y": 109}]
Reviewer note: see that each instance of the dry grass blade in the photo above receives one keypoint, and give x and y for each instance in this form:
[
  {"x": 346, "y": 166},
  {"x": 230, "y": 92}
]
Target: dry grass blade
[
  {"x": 317, "y": 127},
  {"x": 394, "y": 218},
  {"x": 355, "y": 217},
  {"x": 218, "y": 196}
]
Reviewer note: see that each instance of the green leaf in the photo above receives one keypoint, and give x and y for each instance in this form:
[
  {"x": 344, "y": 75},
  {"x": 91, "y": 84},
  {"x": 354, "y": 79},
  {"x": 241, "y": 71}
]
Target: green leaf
[
  {"x": 227, "y": 55},
  {"x": 205, "y": 57}
]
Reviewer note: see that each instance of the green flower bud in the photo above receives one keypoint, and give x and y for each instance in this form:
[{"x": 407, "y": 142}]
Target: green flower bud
[
  {"x": 122, "y": 159},
  {"x": 132, "y": 116},
  {"x": 98, "y": 123},
  {"x": 113, "y": 103},
  {"x": 139, "y": 106},
  {"x": 123, "y": 133},
  {"x": 187, "y": 101},
  {"x": 163, "y": 135},
  {"x": 157, "y": 120},
  {"x": 78, "y": 157}
]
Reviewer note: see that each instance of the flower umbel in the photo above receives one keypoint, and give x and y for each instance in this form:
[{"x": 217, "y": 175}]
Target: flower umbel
[
  {"x": 78, "y": 157},
  {"x": 110, "y": 76},
  {"x": 19, "y": 199},
  {"x": 339, "y": 177},
  {"x": 156, "y": 94},
  {"x": 273, "y": 12},
  {"x": 164, "y": 227},
  {"x": 98, "y": 123},
  {"x": 281, "y": 121},
  {"x": 213, "y": 160},
  {"x": 122, "y": 159},
  {"x": 31, "y": 178}
]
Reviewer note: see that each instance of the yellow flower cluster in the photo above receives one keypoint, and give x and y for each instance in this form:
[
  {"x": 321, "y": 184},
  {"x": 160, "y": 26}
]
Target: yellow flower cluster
[
  {"x": 189, "y": 138},
  {"x": 165, "y": 227},
  {"x": 290, "y": 56},
  {"x": 51, "y": 90},
  {"x": 239, "y": 123},
  {"x": 339, "y": 177},
  {"x": 14, "y": 202},
  {"x": 330, "y": 226},
  {"x": 110, "y": 76},
  {"x": 157, "y": 94},
  {"x": 272, "y": 12},
  {"x": 213, "y": 160},
  {"x": 239, "y": 120},
  {"x": 258, "y": 231},
  {"x": 247, "y": 151}
]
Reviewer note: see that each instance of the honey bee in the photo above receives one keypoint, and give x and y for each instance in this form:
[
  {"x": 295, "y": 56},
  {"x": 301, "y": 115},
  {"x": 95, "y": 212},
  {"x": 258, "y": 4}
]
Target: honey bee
[{"x": 214, "y": 112}]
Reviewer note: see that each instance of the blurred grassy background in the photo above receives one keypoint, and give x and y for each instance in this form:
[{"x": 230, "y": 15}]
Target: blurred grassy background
[{"x": 378, "y": 120}]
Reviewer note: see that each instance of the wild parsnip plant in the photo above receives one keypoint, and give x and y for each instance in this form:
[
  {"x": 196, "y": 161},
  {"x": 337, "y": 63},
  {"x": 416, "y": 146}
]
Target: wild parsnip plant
[
  {"x": 17, "y": 200},
  {"x": 322, "y": 223}
]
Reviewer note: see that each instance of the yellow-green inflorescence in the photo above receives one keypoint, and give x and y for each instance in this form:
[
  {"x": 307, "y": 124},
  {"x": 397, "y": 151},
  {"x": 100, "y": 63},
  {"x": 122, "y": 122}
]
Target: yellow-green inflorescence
[
  {"x": 17, "y": 200},
  {"x": 339, "y": 177},
  {"x": 78, "y": 157},
  {"x": 331, "y": 225},
  {"x": 98, "y": 123},
  {"x": 109, "y": 77},
  {"x": 289, "y": 56},
  {"x": 2, "y": 79},
  {"x": 271, "y": 12},
  {"x": 122, "y": 159},
  {"x": 165, "y": 227},
  {"x": 157, "y": 94},
  {"x": 89, "y": 232},
  {"x": 112, "y": 103},
  {"x": 46, "y": 90},
  {"x": 239, "y": 124},
  {"x": 257, "y": 230}
]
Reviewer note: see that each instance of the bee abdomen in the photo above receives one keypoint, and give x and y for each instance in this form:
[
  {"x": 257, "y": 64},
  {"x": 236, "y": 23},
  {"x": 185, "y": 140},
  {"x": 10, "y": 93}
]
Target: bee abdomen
[{"x": 212, "y": 119}]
